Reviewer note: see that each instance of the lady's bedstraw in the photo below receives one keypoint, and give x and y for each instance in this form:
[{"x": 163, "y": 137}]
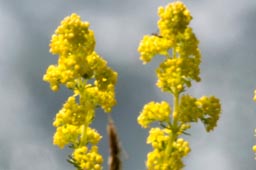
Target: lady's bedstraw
[
  {"x": 174, "y": 74},
  {"x": 84, "y": 72}
]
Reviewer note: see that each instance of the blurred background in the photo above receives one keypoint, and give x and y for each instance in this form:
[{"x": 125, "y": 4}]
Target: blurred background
[{"x": 226, "y": 30}]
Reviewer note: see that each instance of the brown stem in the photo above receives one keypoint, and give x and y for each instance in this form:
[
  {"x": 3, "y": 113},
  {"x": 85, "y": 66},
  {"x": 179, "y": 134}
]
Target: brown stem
[{"x": 114, "y": 161}]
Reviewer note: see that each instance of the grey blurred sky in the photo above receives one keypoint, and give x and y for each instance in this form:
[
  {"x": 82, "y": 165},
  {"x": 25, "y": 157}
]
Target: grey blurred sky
[{"x": 226, "y": 30}]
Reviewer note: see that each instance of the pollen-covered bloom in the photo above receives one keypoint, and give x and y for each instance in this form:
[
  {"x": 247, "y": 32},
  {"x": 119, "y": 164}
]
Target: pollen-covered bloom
[{"x": 154, "y": 112}]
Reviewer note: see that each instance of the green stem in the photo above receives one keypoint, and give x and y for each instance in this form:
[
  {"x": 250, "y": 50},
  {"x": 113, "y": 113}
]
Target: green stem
[
  {"x": 83, "y": 140},
  {"x": 82, "y": 85},
  {"x": 174, "y": 126},
  {"x": 87, "y": 121},
  {"x": 175, "y": 110}
]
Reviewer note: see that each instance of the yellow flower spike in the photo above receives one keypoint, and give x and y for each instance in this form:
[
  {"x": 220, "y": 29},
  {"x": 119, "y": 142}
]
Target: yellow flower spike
[
  {"x": 175, "y": 74},
  {"x": 73, "y": 41},
  {"x": 92, "y": 81}
]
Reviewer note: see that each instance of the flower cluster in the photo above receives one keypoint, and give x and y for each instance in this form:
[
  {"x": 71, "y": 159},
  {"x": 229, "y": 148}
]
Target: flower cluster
[
  {"x": 175, "y": 74},
  {"x": 211, "y": 109},
  {"x": 207, "y": 109},
  {"x": 72, "y": 41},
  {"x": 92, "y": 81},
  {"x": 174, "y": 19},
  {"x": 153, "y": 45},
  {"x": 153, "y": 112},
  {"x": 167, "y": 154},
  {"x": 88, "y": 159},
  {"x": 177, "y": 71}
]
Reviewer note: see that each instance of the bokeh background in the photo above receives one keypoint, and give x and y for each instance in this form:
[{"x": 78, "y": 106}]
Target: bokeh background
[{"x": 226, "y": 30}]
